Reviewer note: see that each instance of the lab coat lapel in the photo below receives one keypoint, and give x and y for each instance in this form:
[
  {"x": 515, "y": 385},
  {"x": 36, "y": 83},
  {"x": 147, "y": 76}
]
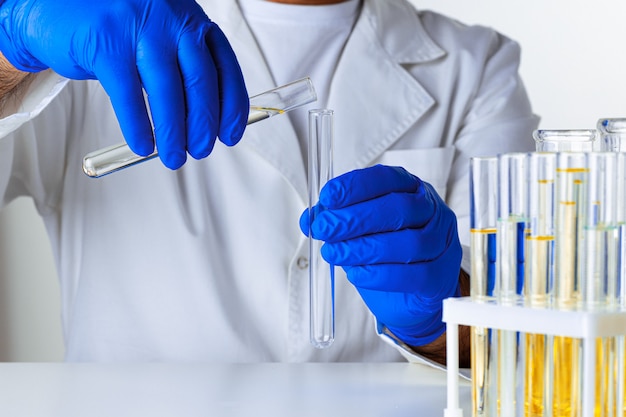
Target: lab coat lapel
[
  {"x": 375, "y": 99},
  {"x": 274, "y": 139}
]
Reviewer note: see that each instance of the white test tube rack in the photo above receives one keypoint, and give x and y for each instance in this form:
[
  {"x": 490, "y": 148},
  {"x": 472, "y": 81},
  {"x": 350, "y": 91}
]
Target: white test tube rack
[{"x": 581, "y": 324}]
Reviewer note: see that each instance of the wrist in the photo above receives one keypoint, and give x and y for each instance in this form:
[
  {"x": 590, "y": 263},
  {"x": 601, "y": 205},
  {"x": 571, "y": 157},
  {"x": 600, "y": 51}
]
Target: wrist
[
  {"x": 10, "y": 76},
  {"x": 12, "y": 81}
]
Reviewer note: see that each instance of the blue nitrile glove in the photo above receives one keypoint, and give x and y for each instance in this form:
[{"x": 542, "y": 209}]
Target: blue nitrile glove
[
  {"x": 398, "y": 243},
  {"x": 170, "y": 48}
]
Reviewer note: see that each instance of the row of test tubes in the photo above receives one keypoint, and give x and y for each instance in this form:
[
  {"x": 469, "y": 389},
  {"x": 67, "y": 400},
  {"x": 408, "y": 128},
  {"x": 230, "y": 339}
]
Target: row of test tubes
[{"x": 548, "y": 232}]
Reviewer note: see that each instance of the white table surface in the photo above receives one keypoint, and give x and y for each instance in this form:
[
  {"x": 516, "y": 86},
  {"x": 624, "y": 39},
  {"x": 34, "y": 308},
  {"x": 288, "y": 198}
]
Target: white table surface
[{"x": 269, "y": 389}]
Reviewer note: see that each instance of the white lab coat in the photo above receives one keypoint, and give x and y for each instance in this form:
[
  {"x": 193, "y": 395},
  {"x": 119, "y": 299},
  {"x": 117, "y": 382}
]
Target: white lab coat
[{"x": 208, "y": 262}]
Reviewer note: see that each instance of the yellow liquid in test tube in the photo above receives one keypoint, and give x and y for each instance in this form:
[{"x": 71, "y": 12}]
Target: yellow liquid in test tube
[
  {"x": 605, "y": 378},
  {"x": 261, "y": 113},
  {"x": 538, "y": 281},
  {"x": 535, "y": 379},
  {"x": 605, "y": 366},
  {"x": 621, "y": 361},
  {"x": 479, "y": 366},
  {"x": 538, "y": 264},
  {"x": 566, "y": 398},
  {"x": 262, "y": 106},
  {"x": 483, "y": 242}
]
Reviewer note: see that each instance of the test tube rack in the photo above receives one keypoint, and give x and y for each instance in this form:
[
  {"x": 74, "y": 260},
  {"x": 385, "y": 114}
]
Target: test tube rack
[
  {"x": 581, "y": 324},
  {"x": 549, "y": 308}
]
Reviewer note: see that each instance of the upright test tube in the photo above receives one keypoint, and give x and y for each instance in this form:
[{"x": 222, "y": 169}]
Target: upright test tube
[
  {"x": 539, "y": 270},
  {"x": 598, "y": 252},
  {"x": 483, "y": 224},
  {"x": 321, "y": 274},
  {"x": 571, "y": 176},
  {"x": 512, "y": 179},
  {"x": 262, "y": 106},
  {"x": 565, "y": 140},
  {"x": 621, "y": 279},
  {"x": 612, "y": 133},
  {"x": 512, "y": 207},
  {"x": 570, "y": 194},
  {"x": 539, "y": 266}
]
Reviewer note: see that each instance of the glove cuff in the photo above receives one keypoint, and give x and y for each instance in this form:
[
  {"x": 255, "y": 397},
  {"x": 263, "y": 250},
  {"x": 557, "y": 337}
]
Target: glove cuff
[
  {"x": 425, "y": 331},
  {"x": 13, "y": 49}
]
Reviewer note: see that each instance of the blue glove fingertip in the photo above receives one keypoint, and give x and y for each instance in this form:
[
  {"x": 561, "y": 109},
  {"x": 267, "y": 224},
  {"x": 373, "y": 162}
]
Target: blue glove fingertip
[
  {"x": 234, "y": 101},
  {"x": 304, "y": 222},
  {"x": 173, "y": 160}
]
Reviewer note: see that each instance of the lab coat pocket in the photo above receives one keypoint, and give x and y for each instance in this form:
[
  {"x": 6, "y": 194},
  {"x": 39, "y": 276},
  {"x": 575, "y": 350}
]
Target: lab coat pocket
[{"x": 432, "y": 165}]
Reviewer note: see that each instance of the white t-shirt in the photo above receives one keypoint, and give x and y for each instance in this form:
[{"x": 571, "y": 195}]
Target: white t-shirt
[{"x": 301, "y": 41}]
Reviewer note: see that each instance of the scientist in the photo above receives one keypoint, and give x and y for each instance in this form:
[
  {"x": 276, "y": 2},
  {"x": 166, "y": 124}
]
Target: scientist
[{"x": 207, "y": 261}]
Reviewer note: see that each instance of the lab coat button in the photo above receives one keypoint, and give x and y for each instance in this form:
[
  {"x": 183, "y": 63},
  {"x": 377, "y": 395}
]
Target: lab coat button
[{"x": 303, "y": 262}]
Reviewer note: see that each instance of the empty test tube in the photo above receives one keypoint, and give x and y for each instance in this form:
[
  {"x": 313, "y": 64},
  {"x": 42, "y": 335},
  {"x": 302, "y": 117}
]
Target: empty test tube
[
  {"x": 321, "y": 274},
  {"x": 483, "y": 223},
  {"x": 277, "y": 101}
]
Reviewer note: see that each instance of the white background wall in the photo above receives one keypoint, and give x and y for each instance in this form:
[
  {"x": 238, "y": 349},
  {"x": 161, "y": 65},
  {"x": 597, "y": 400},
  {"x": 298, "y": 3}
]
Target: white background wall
[{"x": 574, "y": 67}]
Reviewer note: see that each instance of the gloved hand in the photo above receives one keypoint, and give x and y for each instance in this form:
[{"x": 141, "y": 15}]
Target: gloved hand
[
  {"x": 398, "y": 243},
  {"x": 170, "y": 48}
]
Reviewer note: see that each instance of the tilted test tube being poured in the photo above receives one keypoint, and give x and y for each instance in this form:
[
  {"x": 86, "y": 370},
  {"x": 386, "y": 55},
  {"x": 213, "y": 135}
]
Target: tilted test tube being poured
[{"x": 262, "y": 106}]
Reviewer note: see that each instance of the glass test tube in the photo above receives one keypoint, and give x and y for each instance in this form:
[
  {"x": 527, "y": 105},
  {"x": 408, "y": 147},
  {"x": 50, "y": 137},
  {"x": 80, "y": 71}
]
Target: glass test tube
[
  {"x": 539, "y": 269},
  {"x": 512, "y": 180},
  {"x": 571, "y": 177},
  {"x": 564, "y": 140},
  {"x": 483, "y": 223},
  {"x": 321, "y": 274},
  {"x": 598, "y": 253},
  {"x": 570, "y": 184},
  {"x": 612, "y": 133},
  {"x": 276, "y": 101},
  {"x": 620, "y": 215},
  {"x": 540, "y": 239}
]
